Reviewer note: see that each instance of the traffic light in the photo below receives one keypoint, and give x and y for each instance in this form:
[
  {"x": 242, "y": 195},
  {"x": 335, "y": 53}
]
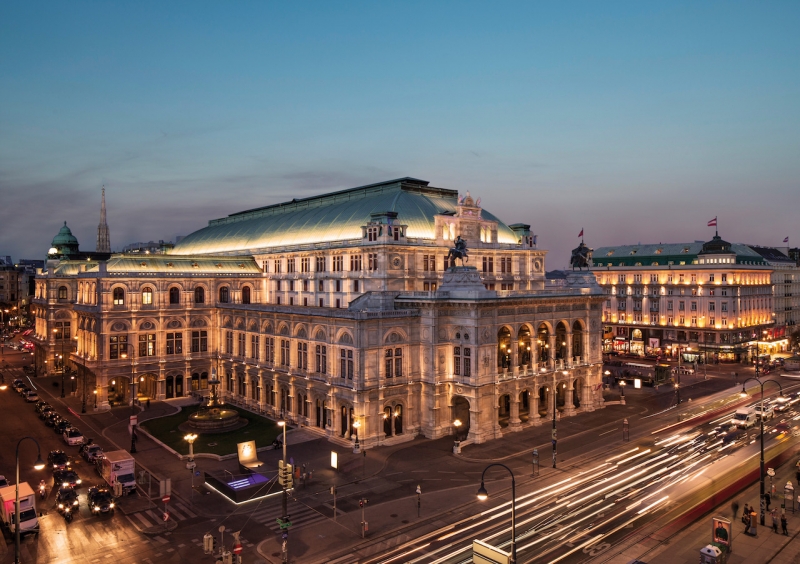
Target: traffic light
[
  {"x": 280, "y": 472},
  {"x": 288, "y": 480}
]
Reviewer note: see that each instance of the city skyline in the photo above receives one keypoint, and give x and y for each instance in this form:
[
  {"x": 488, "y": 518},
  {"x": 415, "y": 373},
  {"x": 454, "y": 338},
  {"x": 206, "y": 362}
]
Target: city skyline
[{"x": 632, "y": 123}]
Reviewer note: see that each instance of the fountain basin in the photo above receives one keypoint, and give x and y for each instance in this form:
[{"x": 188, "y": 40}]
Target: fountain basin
[{"x": 214, "y": 419}]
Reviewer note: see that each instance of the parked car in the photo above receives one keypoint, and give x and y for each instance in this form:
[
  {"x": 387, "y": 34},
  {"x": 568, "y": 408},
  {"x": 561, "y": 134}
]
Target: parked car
[
  {"x": 61, "y": 426},
  {"x": 3, "y": 481},
  {"x": 100, "y": 500},
  {"x": 91, "y": 452},
  {"x": 52, "y": 418},
  {"x": 45, "y": 411},
  {"x": 39, "y": 405},
  {"x": 73, "y": 436},
  {"x": 58, "y": 460},
  {"x": 65, "y": 478},
  {"x": 31, "y": 396}
]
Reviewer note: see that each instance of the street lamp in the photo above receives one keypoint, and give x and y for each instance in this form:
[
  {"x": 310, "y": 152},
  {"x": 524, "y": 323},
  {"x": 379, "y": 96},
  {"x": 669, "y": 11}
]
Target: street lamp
[
  {"x": 124, "y": 354},
  {"x": 285, "y": 517},
  {"x": 357, "y": 446},
  {"x": 761, "y": 420},
  {"x": 190, "y": 438},
  {"x": 38, "y": 465},
  {"x": 56, "y": 331},
  {"x": 95, "y": 399},
  {"x": 457, "y": 443},
  {"x": 483, "y": 495},
  {"x": 622, "y": 384},
  {"x": 419, "y": 500}
]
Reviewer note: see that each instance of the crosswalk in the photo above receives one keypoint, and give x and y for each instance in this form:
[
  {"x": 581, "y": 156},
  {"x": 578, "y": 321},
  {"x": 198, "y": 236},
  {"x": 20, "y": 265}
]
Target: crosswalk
[
  {"x": 153, "y": 517},
  {"x": 300, "y": 515}
]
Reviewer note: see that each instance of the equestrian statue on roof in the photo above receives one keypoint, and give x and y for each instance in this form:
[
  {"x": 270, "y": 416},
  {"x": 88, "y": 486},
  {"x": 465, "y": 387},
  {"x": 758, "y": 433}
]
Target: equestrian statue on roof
[{"x": 459, "y": 251}]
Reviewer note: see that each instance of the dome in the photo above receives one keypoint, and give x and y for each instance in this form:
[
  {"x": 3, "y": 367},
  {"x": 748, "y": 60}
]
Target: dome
[
  {"x": 64, "y": 237},
  {"x": 336, "y": 216}
]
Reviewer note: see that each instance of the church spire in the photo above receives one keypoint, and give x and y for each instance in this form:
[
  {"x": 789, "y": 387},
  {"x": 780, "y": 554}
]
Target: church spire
[{"x": 103, "y": 240}]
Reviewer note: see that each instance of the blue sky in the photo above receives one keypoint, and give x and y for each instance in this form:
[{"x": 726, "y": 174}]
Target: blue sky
[{"x": 636, "y": 121}]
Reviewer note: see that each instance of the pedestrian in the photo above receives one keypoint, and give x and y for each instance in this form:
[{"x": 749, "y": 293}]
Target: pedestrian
[
  {"x": 746, "y": 521},
  {"x": 735, "y": 508},
  {"x": 767, "y": 500},
  {"x": 774, "y": 513},
  {"x": 148, "y": 403},
  {"x": 784, "y": 525}
]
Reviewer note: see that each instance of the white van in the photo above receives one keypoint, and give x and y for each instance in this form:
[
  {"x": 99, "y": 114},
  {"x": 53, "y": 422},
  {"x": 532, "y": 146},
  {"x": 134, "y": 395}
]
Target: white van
[{"x": 745, "y": 417}]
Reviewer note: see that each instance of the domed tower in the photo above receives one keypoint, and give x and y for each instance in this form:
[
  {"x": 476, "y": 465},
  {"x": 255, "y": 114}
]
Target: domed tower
[{"x": 64, "y": 244}]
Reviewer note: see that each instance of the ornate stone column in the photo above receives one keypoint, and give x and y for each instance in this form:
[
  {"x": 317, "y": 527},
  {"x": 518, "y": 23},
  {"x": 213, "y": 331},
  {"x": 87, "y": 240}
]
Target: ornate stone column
[
  {"x": 534, "y": 406},
  {"x": 514, "y": 422}
]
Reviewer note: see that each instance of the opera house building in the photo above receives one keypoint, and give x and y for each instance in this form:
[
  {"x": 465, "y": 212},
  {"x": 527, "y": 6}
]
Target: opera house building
[{"x": 344, "y": 312}]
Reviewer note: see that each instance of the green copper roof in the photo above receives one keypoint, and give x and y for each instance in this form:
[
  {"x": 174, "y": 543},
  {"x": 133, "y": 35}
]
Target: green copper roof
[
  {"x": 168, "y": 264},
  {"x": 337, "y": 216},
  {"x": 663, "y": 254}
]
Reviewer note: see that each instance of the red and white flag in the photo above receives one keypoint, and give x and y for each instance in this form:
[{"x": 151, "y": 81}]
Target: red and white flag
[
  {"x": 786, "y": 240},
  {"x": 581, "y": 233},
  {"x": 713, "y": 222}
]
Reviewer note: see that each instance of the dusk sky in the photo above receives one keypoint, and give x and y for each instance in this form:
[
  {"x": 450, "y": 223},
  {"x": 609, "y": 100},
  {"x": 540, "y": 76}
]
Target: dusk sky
[{"x": 638, "y": 122}]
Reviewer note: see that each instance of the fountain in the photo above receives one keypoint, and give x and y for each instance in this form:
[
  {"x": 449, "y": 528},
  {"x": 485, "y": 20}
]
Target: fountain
[{"x": 214, "y": 417}]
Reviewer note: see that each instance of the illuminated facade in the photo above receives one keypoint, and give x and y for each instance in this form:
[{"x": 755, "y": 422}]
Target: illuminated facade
[
  {"x": 716, "y": 298},
  {"x": 342, "y": 312}
]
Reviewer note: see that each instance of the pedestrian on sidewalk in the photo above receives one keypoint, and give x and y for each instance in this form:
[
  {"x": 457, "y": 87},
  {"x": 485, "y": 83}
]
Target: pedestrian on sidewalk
[
  {"x": 746, "y": 521},
  {"x": 774, "y": 513},
  {"x": 735, "y": 508},
  {"x": 784, "y": 525},
  {"x": 148, "y": 403},
  {"x": 745, "y": 512},
  {"x": 767, "y": 500}
]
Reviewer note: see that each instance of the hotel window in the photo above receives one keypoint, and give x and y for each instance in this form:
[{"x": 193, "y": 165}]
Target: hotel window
[
  {"x": 228, "y": 342},
  {"x": 712, "y": 321},
  {"x": 694, "y": 306},
  {"x": 372, "y": 261},
  {"x": 255, "y": 348},
  {"x": 372, "y": 234},
  {"x": 241, "y": 341},
  {"x": 199, "y": 341},
  {"x": 637, "y": 305},
  {"x": 669, "y": 305},
  {"x": 621, "y": 279},
  {"x": 322, "y": 359},
  {"x": 669, "y": 319},
  {"x": 711, "y": 277},
  {"x": 429, "y": 263},
  {"x": 394, "y": 363},
  {"x": 654, "y": 278},
  {"x": 305, "y": 264},
  {"x": 118, "y": 344},
  {"x": 265, "y": 266},
  {"x": 290, "y": 265},
  {"x": 338, "y": 263},
  {"x": 147, "y": 344},
  {"x": 724, "y": 277},
  {"x": 277, "y": 266},
  {"x": 119, "y": 296},
  {"x": 622, "y": 305},
  {"x": 269, "y": 349},
  {"x": 147, "y": 296},
  {"x": 694, "y": 320},
  {"x": 724, "y": 306},
  {"x": 346, "y": 364},
  {"x": 681, "y": 306},
  {"x": 505, "y": 265},
  {"x": 320, "y": 264},
  {"x": 355, "y": 263},
  {"x": 284, "y": 352},
  {"x": 488, "y": 264},
  {"x": 680, "y": 278},
  {"x": 681, "y": 320},
  {"x": 637, "y": 278},
  {"x": 712, "y": 306},
  {"x": 174, "y": 343},
  {"x": 724, "y": 321},
  {"x": 637, "y": 317},
  {"x": 694, "y": 278}
]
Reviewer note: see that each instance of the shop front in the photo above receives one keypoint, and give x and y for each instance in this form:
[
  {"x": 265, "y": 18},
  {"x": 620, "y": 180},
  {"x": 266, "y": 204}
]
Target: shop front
[{"x": 637, "y": 342}]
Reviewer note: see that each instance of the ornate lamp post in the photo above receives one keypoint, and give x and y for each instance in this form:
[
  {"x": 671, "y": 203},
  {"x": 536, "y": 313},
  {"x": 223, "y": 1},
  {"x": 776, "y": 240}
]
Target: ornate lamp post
[
  {"x": 282, "y": 423},
  {"x": 457, "y": 443},
  {"x": 38, "y": 465},
  {"x": 761, "y": 420},
  {"x": 59, "y": 331},
  {"x": 357, "y": 445},
  {"x": 483, "y": 495}
]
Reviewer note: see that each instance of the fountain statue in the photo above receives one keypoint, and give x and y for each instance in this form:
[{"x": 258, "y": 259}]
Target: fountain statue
[{"x": 214, "y": 417}]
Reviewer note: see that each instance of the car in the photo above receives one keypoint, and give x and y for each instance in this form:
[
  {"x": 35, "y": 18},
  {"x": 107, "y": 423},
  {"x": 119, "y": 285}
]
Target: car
[
  {"x": 65, "y": 478},
  {"x": 3, "y": 481},
  {"x": 52, "y": 418},
  {"x": 39, "y": 405},
  {"x": 769, "y": 412},
  {"x": 67, "y": 499},
  {"x": 91, "y": 452},
  {"x": 73, "y": 437},
  {"x": 58, "y": 460},
  {"x": 31, "y": 396},
  {"x": 23, "y": 390},
  {"x": 100, "y": 500},
  {"x": 61, "y": 426},
  {"x": 45, "y": 411},
  {"x": 781, "y": 403}
]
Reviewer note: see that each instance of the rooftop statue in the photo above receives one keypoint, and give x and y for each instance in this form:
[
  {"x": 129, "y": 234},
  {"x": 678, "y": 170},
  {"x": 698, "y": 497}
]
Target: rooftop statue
[
  {"x": 459, "y": 251},
  {"x": 581, "y": 256}
]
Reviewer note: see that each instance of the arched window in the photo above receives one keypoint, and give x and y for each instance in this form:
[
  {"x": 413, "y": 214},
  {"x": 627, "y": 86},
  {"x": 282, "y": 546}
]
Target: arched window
[
  {"x": 147, "y": 296},
  {"x": 62, "y": 292},
  {"x": 119, "y": 296},
  {"x": 174, "y": 295},
  {"x": 224, "y": 295},
  {"x": 246, "y": 295},
  {"x": 199, "y": 296}
]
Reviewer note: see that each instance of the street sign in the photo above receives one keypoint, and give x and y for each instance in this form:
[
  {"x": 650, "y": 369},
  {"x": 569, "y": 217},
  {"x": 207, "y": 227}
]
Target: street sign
[
  {"x": 166, "y": 516},
  {"x": 554, "y": 434},
  {"x": 165, "y": 499},
  {"x": 237, "y": 549},
  {"x": 134, "y": 420},
  {"x": 191, "y": 465}
]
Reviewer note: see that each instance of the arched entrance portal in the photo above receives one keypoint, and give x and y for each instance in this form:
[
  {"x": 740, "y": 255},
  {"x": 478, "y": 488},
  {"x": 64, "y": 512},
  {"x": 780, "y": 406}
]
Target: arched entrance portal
[
  {"x": 504, "y": 410},
  {"x": 461, "y": 414},
  {"x": 577, "y": 394},
  {"x": 544, "y": 401},
  {"x": 170, "y": 391},
  {"x": 524, "y": 406}
]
